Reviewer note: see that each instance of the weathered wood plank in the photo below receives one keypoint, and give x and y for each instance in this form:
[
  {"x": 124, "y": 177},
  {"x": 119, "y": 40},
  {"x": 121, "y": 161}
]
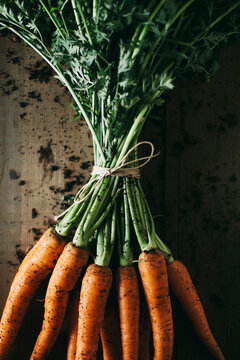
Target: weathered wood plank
[
  {"x": 43, "y": 156},
  {"x": 202, "y": 200}
]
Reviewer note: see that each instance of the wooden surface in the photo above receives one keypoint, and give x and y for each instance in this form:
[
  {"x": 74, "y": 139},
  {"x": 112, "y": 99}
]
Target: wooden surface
[{"x": 193, "y": 187}]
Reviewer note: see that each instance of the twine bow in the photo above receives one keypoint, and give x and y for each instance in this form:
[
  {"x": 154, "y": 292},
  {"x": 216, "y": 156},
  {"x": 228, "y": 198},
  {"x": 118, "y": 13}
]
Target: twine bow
[{"x": 118, "y": 170}]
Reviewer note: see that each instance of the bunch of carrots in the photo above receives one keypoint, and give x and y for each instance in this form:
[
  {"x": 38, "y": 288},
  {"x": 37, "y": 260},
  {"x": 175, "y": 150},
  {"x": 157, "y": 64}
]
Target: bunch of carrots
[
  {"x": 93, "y": 313},
  {"x": 116, "y": 58}
]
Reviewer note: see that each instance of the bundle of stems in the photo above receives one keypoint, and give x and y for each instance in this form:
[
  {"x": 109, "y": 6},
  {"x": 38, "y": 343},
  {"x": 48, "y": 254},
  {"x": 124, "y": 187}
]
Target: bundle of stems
[{"x": 117, "y": 59}]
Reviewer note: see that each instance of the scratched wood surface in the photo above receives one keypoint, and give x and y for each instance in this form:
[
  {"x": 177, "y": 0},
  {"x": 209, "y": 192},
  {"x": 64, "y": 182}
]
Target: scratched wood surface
[
  {"x": 43, "y": 156},
  {"x": 194, "y": 185}
]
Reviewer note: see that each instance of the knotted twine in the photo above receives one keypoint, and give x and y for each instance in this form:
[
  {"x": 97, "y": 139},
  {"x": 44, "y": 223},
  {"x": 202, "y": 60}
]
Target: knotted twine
[{"x": 118, "y": 170}]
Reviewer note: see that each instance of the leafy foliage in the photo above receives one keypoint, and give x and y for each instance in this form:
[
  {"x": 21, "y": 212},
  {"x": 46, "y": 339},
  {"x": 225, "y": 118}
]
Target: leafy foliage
[{"x": 117, "y": 56}]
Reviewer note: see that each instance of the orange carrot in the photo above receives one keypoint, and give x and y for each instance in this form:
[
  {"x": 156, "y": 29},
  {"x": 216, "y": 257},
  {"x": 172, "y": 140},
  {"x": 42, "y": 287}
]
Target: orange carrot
[
  {"x": 95, "y": 289},
  {"x": 153, "y": 271},
  {"x": 182, "y": 286},
  {"x": 62, "y": 281},
  {"x": 128, "y": 302},
  {"x": 37, "y": 264},
  {"x": 110, "y": 334},
  {"x": 73, "y": 325},
  {"x": 144, "y": 330}
]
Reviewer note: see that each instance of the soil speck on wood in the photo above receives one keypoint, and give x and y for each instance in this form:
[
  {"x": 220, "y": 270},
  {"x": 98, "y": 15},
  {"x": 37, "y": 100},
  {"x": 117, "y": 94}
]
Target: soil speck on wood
[
  {"x": 67, "y": 173},
  {"x": 74, "y": 158},
  {"x": 34, "y": 213},
  {"x": 10, "y": 263},
  {"x": 13, "y": 174},
  {"x": 46, "y": 154},
  {"x": 23, "y": 104},
  {"x": 37, "y": 233},
  {"x": 15, "y": 60},
  {"x": 34, "y": 95},
  {"x": 40, "y": 72},
  {"x": 22, "y": 115},
  {"x": 85, "y": 165},
  {"x": 22, "y": 182},
  {"x": 20, "y": 253},
  {"x": 54, "y": 168},
  {"x": 46, "y": 157},
  {"x": 9, "y": 85}
]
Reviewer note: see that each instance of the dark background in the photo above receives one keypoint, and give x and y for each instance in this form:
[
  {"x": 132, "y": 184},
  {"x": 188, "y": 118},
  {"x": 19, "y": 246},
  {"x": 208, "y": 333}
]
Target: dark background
[{"x": 193, "y": 187}]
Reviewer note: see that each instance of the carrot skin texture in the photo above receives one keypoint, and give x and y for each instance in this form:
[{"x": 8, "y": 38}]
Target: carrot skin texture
[
  {"x": 110, "y": 335},
  {"x": 73, "y": 325},
  {"x": 94, "y": 293},
  {"x": 144, "y": 330},
  {"x": 128, "y": 302},
  {"x": 35, "y": 267},
  {"x": 62, "y": 281},
  {"x": 153, "y": 271},
  {"x": 182, "y": 286}
]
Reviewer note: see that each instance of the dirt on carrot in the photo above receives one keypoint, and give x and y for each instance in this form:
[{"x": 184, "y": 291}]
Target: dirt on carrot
[
  {"x": 63, "y": 279},
  {"x": 153, "y": 271},
  {"x": 35, "y": 267},
  {"x": 128, "y": 302},
  {"x": 95, "y": 289}
]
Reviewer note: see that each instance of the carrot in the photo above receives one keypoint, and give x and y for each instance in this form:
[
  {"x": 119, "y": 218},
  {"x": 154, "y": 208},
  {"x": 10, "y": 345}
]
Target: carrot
[
  {"x": 153, "y": 271},
  {"x": 128, "y": 302},
  {"x": 182, "y": 286},
  {"x": 110, "y": 334},
  {"x": 37, "y": 264},
  {"x": 73, "y": 325},
  {"x": 62, "y": 281},
  {"x": 94, "y": 293},
  {"x": 144, "y": 330}
]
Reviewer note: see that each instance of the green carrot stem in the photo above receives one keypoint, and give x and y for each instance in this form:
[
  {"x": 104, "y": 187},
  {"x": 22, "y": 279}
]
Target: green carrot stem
[
  {"x": 139, "y": 230},
  {"x": 81, "y": 238},
  {"x": 121, "y": 219},
  {"x": 224, "y": 14},
  {"x": 134, "y": 131},
  {"x": 148, "y": 212},
  {"x": 95, "y": 8},
  {"x": 141, "y": 209},
  {"x": 77, "y": 18},
  {"x": 96, "y": 207},
  {"x": 53, "y": 19},
  {"x": 72, "y": 216},
  {"x": 124, "y": 241},
  {"x": 78, "y": 9},
  {"x": 144, "y": 30},
  {"x": 80, "y": 232},
  {"x": 65, "y": 226},
  {"x": 105, "y": 239},
  {"x": 104, "y": 215},
  {"x": 164, "y": 249},
  {"x": 127, "y": 216}
]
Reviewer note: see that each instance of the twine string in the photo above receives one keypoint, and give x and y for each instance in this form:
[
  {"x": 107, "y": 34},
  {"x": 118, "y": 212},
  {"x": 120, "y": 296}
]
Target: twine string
[{"x": 101, "y": 172}]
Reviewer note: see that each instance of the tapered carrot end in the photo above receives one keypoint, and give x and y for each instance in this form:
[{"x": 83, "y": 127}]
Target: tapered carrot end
[{"x": 182, "y": 286}]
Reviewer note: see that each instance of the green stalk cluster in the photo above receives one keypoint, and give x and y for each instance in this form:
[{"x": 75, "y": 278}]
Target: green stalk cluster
[{"x": 116, "y": 209}]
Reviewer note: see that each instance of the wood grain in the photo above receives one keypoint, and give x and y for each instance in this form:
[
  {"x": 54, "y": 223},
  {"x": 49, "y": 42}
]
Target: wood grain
[
  {"x": 43, "y": 155},
  {"x": 202, "y": 197}
]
